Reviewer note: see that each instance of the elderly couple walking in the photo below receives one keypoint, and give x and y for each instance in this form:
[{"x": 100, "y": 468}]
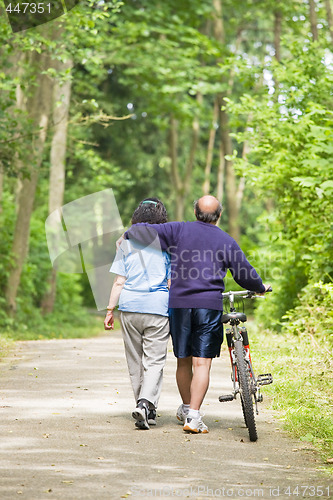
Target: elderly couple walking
[{"x": 170, "y": 279}]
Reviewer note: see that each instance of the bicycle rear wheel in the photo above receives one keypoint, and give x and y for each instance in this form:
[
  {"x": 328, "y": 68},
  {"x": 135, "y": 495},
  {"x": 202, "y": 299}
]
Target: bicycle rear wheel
[{"x": 245, "y": 390}]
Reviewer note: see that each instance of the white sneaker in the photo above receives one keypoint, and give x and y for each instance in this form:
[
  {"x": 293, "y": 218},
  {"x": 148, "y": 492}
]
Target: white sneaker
[
  {"x": 195, "y": 425},
  {"x": 140, "y": 414},
  {"x": 181, "y": 414}
]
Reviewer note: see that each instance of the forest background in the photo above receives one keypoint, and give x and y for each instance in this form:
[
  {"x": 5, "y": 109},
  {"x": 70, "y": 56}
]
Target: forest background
[{"x": 174, "y": 99}]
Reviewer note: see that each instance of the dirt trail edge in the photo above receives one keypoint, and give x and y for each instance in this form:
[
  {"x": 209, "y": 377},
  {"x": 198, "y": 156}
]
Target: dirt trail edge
[{"x": 67, "y": 433}]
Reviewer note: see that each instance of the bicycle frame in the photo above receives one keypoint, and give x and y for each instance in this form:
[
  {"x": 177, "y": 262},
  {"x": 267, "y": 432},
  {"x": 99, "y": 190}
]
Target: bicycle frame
[
  {"x": 236, "y": 335},
  {"x": 245, "y": 383}
]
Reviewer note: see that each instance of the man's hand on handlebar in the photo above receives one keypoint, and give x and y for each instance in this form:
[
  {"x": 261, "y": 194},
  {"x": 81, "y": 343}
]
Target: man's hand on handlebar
[{"x": 268, "y": 288}]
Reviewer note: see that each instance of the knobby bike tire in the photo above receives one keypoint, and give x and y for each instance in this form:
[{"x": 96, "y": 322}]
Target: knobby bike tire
[
  {"x": 244, "y": 412},
  {"x": 245, "y": 390}
]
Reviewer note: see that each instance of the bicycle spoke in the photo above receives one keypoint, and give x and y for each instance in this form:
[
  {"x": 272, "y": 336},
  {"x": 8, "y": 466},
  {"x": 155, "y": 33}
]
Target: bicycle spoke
[{"x": 245, "y": 390}]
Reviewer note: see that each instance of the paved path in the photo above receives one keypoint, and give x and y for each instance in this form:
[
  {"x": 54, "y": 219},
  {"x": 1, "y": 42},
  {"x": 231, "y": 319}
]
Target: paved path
[{"x": 67, "y": 434}]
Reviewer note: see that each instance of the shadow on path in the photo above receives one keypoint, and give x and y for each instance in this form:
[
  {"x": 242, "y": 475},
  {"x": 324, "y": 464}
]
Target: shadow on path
[{"x": 67, "y": 433}]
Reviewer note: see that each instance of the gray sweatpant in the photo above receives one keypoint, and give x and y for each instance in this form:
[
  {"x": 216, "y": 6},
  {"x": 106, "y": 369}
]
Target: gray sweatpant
[{"x": 146, "y": 339}]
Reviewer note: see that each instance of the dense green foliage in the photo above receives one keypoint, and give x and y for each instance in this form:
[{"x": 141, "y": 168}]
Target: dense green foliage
[
  {"x": 301, "y": 392},
  {"x": 290, "y": 165},
  {"x": 143, "y": 70}
]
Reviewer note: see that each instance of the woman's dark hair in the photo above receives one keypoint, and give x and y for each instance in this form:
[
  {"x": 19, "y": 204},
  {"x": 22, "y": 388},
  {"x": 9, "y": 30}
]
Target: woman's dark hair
[{"x": 150, "y": 210}]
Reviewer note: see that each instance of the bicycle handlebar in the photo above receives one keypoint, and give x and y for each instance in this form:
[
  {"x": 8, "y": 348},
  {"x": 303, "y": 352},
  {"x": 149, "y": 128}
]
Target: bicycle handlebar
[{"x": 244, "y": 293}]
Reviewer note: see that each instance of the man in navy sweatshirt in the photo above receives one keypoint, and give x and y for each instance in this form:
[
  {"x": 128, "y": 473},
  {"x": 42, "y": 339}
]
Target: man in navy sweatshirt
[{"x": 201, "y": 254}]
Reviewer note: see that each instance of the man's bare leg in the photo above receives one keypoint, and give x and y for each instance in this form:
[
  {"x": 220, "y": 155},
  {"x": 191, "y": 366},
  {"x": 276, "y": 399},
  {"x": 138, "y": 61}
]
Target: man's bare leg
[
  {"x": 184, "y": 378},
  {"x": 200, "y": 381}
]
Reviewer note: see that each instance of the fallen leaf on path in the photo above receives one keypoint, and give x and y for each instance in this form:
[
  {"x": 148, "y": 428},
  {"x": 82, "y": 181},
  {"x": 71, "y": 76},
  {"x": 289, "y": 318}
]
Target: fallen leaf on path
[
  {"x": 67, "y": 482},
  {"x": 329, "y": 461},
  {"x": 100, "y": 458}
]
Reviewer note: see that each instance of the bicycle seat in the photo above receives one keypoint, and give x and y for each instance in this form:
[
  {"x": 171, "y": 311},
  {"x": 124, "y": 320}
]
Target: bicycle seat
[{"x": 233, "y": 315}]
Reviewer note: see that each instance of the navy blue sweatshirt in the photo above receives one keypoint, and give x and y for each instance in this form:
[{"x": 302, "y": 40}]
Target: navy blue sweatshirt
[{"x": 201, "y": 254}]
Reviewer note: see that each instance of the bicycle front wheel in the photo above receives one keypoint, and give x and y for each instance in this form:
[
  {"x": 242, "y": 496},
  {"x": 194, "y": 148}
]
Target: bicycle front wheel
[{"x": 243, "y": 375}]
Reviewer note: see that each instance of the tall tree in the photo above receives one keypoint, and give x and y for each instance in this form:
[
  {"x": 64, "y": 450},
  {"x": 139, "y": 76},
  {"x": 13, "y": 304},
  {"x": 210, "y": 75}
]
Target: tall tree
[
  {"x": 37, "y": 105},
  {"x": 210, "y": 152},
  {"x": 226, "y": 170},
  {"x": 313, "y": 20},
  {"x": 1, "y": 184},
  {"x": 61, "y": 102},
  {"x": 277, "y": 31},
  {"x": 329, "y": 15},
  {"x": 182, "y": 182}
]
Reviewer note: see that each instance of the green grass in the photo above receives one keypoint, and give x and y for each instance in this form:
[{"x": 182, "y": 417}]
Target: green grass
[
  {"x": 302, "y": 370},
  {"x": 5, "y": 346},
  {"x": 55, "y": 327}
]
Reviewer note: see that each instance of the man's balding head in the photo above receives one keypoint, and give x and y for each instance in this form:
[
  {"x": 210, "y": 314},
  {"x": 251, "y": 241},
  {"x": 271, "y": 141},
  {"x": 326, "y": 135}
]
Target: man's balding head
[{"x": 207, "y": 209}]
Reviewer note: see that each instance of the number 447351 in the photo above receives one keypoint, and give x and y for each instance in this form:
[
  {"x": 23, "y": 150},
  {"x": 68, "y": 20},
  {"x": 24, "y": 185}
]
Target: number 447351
[
  {"x": 308, "y": 491},
  {"x": 32, "y": 8}
]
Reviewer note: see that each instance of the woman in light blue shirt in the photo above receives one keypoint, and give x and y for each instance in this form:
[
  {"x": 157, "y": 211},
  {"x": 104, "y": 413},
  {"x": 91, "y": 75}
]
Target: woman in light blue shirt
[{"x": 141, "y": 285}]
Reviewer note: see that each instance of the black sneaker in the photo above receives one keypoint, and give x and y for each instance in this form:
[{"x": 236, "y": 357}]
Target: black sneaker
[
  {"x": 152, "y": 417},
  {"x": 140, "y": 414}
]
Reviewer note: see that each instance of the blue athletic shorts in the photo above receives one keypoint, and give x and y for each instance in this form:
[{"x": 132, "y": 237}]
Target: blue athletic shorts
[{"x": 196, "y": 332}]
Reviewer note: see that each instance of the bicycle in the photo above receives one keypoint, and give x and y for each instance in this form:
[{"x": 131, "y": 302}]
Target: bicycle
[{"x": 245, "y": 383}]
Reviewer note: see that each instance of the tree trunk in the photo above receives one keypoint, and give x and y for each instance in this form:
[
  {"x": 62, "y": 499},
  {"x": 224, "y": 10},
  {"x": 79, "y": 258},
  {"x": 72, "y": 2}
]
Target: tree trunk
[
  {"x": 241, "y": 184},
  {"x": 38, "y": 107},
  {"x": 220, "y": 173},
  {"x": 329, "y": 15},
  {"x": 193, "y": 150},
  {"x": 226, "y": 173},
  {"x": 175, "y": 177},
  {"x": 181, "y": 183},
  {"x": 277, "y": 34},
  {"x": 61, "y": 94},
  {"x": 219, "y": 32},
  {"x": 210, "y": 149},
  {"x": 230, "y": 179},
  {"x": 313, "y": 20},
  {"x": 1, "y": 185}
]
